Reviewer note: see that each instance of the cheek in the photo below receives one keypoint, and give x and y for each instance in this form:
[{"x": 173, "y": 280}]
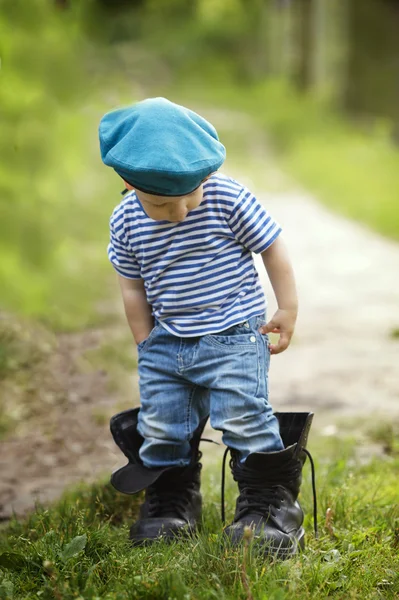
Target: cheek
[{"x": 193, "y": 203}]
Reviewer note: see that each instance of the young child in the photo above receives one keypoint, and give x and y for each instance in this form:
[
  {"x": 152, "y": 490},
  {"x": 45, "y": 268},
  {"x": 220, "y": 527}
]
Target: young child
[{"x": 182, "y": 243}]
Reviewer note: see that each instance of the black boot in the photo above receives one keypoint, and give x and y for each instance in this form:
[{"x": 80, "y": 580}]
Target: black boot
[
  {"x": 172, "y": 506},
  {"x": 269, "y": 485},
  {"x": 173, "y": 501}
]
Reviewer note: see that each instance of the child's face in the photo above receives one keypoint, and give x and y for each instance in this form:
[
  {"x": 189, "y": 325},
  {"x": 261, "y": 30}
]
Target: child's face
[{"x": 168, "y": 208}]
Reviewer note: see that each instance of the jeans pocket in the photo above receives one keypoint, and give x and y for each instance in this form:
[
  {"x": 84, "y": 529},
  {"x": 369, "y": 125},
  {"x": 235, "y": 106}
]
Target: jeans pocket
[
  {"x": 233, "y": 342},
  {"x": 141, "y": 344},
  {"x": 144, "y": 344}
]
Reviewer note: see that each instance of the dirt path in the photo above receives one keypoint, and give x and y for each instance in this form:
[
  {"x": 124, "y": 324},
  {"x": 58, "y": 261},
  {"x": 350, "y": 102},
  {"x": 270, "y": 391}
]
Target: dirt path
[
  {"x": 343, "y": 361},
  {"x": 67, "y": 438}
]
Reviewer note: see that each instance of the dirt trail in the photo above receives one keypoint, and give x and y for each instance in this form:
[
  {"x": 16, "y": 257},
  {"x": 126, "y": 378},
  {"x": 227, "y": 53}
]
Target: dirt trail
[
  {"x": 343, "y": 360},
  {"x": 68, "y": 440}
]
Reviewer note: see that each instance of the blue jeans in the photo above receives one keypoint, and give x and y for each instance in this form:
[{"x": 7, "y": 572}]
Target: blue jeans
[{"x": 223, "y": 375}]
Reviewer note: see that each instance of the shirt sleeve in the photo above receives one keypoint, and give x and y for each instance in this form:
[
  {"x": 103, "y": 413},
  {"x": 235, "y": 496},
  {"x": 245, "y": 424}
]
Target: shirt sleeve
[
  {"x": 121, "y": 255},
  {"x": 252, "y": 224}
]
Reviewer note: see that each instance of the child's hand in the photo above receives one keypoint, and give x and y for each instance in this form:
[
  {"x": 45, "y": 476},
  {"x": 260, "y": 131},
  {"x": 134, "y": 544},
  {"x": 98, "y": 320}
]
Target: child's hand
[{"x": 283, "y": 322}]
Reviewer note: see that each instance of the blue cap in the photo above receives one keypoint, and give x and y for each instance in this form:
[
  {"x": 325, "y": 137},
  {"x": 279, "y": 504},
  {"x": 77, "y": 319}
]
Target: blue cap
[{"x": 160, "y": 147}]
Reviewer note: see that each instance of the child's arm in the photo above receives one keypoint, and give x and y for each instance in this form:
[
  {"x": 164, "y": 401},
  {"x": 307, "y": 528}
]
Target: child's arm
[
  {"x": 281, "y": 275},
  {"x": 137, "y": 309}
]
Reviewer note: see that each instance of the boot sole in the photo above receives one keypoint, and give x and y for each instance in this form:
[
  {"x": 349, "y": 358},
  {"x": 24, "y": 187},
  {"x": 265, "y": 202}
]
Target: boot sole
[
  {"x": 260, "y": 547},
  {"x": 286, "y": 553},
  {"x": 298, "y": 546},
  {"x": 168, "y": 538}
]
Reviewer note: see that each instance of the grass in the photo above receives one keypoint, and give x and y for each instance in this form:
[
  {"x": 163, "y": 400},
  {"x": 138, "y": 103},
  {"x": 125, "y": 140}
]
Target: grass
[{"x": 78, "y": 548}]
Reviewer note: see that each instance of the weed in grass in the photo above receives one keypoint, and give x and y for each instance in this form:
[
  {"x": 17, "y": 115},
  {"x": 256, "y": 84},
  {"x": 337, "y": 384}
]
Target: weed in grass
[
  {"x": 395, "y": 333},
  {"x": 387, "y": 435},
  {"x": 100, "y": 417}
]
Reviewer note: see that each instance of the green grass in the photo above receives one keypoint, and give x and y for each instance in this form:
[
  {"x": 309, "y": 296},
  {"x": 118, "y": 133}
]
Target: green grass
[{"x": 78, "y": 548}]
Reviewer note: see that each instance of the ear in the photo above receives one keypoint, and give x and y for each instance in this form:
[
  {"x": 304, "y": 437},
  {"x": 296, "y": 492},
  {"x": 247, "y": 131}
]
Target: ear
[
  {"x": 127, "y": 185},
  {"x": 210, "y": 175}
]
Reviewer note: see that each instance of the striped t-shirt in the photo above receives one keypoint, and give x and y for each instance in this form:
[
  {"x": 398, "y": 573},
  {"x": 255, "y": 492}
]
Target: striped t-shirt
[{"x": 198, "y": 274}]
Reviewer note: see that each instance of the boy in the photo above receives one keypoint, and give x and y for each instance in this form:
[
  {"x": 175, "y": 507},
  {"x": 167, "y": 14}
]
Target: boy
[{"x": 181, "y": 243}]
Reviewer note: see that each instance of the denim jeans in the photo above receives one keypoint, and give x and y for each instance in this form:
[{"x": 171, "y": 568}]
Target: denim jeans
[{"x": 223, "y": 375}]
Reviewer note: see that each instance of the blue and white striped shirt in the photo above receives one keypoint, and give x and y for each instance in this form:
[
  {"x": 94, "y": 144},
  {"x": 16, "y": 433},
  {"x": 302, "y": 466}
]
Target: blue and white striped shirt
[{"x": 198, "y": 274}]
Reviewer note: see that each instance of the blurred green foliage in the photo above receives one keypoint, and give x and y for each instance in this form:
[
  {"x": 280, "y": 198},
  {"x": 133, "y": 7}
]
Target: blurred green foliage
[{"x": 50, "y": 215}]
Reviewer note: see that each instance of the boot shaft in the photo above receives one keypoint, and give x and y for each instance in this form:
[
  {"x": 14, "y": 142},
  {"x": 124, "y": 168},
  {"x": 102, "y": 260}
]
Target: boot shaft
[
  {"x": 294, "y": 429},
  {"x": 134, "y": 476},
  {"x": 282, "y": 468}
]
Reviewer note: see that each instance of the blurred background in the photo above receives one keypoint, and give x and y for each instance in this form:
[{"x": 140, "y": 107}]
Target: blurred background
[{"x": 305, "y": 97}]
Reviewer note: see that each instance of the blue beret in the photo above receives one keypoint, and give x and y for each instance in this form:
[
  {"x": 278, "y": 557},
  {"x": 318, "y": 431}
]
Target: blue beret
[{"x": 160, "y": 147}]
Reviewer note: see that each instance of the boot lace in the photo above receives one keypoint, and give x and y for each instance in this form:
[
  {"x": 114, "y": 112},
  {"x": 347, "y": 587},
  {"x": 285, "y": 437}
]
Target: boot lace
[
  {"x": 254, "y": 498},
  {"x": 257, "y": 498},
  {"x": 173, "y": 496}
]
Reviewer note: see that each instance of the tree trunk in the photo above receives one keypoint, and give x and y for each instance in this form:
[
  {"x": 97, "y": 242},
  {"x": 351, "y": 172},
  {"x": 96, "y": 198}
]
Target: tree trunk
[
  {"x": 304, "y": 71},
  {"x": 372, "y": 81}
]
